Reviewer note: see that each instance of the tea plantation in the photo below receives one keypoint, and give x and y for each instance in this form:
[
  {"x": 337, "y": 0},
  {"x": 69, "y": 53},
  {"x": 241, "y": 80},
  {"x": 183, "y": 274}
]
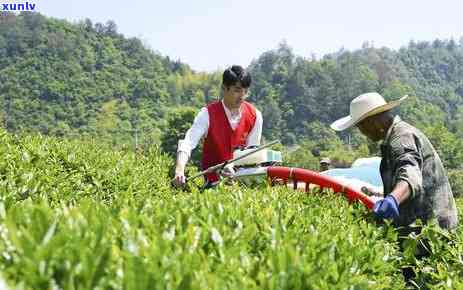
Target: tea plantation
[{"x": 79, "y": 215}]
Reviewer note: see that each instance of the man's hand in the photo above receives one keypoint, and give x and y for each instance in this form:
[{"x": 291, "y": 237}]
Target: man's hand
[
  {"x": 375, "y": 198},
  {"x": 180, "y": 179},
  {"x": 228, "y": 171},
  {"x": 386, "y": 208}
]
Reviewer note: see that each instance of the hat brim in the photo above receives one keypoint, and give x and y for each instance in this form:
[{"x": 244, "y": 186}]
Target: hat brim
[{"x": 348, "y": 121}]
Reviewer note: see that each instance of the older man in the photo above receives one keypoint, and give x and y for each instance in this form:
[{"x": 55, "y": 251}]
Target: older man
[{"x": 415, "y": 182}]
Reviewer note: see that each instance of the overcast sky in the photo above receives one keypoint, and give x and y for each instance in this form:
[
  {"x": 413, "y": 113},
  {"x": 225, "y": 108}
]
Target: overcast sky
[{"x": 212, "y": 34}]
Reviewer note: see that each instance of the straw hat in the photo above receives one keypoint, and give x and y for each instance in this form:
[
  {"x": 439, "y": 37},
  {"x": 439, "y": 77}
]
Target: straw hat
[{"x": 364, "y": 106}]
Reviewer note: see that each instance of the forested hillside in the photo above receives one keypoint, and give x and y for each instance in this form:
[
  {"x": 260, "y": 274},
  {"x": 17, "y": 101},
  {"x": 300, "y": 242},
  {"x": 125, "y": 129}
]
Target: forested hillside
[{"x": 85, "y": 79}]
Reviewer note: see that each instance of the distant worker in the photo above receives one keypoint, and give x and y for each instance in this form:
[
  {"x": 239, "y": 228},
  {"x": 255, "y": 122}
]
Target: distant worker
[
  {"x": 325, "y": 164},
  {"x": 225, "y": 124}
]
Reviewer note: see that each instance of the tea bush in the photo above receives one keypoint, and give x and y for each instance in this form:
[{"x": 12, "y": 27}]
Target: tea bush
[{"x": 77, "y": 215}]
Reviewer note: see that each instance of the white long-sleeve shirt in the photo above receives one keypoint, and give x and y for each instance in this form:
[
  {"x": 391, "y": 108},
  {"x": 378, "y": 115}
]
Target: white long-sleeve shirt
[{"x": 200, "y": 128}]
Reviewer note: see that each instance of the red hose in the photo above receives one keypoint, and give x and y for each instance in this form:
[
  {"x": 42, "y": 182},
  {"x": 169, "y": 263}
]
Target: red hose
[{"x": 311, "y": 177}]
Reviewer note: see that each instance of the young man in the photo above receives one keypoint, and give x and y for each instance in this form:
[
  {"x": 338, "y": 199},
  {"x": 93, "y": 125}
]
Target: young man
[{"x": 226, "y": 124}]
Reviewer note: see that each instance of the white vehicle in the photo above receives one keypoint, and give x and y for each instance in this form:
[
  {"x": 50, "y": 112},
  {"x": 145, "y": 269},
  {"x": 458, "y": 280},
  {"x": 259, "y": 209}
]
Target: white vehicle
[{"x": 364, "y": 172}]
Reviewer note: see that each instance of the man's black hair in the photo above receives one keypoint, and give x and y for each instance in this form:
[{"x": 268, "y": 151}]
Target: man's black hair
[{"x": 235, "y": 74}]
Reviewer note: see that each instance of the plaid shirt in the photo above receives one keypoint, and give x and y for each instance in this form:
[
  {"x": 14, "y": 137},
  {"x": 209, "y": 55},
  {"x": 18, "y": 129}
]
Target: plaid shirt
[{"x": 408, "y": 155}]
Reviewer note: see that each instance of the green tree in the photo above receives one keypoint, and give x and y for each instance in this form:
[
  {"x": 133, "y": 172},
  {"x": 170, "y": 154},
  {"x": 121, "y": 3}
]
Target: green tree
[{"x": 178, "y": 122}]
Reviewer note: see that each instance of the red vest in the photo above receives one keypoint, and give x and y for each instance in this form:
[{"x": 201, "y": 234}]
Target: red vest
[{"x": 221, "y": 139}]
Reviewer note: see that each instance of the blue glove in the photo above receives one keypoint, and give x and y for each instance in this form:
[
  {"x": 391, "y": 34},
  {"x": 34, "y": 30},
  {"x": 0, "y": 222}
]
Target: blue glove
[{"x": 386, "y": 208}]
